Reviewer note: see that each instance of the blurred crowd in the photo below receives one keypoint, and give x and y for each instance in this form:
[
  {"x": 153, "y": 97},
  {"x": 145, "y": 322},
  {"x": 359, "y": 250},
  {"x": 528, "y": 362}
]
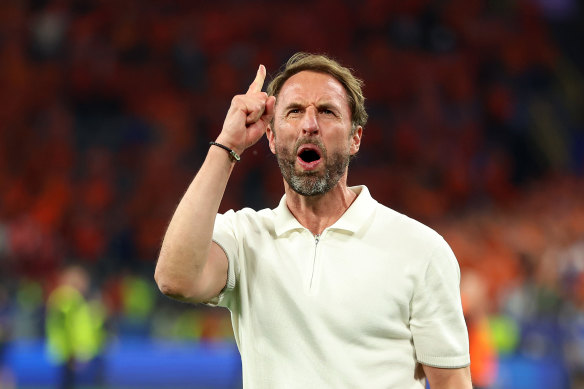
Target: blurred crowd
[{"x": 476, "y": 128}]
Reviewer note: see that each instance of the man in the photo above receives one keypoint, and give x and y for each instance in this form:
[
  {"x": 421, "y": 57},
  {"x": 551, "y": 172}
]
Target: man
[
  {"x": 74, "y": 325},
  {"x": 330, "y": 289}
]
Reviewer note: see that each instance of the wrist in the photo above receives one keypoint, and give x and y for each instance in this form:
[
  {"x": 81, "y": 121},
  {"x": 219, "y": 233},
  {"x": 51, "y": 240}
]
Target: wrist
[
  {"x": 225, "y": 141},
  {"x": 233, "y": 155}
]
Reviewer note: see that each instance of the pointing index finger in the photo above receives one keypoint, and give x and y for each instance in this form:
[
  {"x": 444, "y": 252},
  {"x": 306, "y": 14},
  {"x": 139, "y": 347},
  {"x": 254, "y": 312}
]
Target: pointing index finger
[{"x": 258, "y": 82}]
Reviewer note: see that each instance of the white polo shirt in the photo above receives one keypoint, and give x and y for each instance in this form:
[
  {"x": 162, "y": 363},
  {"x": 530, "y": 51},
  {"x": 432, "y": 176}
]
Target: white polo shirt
[{"x": 356, "y": 307}]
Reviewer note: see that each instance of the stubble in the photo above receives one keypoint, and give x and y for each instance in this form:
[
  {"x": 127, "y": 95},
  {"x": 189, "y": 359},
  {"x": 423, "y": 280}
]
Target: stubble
[{"x": 312, "y": 183}]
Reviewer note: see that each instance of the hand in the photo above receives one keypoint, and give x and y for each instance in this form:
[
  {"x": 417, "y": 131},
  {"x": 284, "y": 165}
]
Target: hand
[{"x": 248, "y": 117}]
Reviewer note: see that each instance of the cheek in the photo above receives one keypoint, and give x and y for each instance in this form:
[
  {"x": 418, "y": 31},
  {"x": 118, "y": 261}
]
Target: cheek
[
  {"x": 283, "y": 126},
  {"x": 284, "y": 134},
  {"x": 339, "y": 144}
]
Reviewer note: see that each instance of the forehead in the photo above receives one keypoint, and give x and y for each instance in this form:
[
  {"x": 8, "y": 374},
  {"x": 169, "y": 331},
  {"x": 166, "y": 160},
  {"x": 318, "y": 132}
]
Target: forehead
[{"x": 313, "y": 87}]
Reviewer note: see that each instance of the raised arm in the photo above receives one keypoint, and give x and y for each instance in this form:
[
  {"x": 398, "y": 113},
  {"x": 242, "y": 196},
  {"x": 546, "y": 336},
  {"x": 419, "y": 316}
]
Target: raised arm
[{"x": 190, "y": 266}]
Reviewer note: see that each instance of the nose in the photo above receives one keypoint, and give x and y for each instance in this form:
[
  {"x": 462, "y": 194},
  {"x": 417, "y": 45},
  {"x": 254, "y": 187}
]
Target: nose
[{"x": 310, "y": 121}]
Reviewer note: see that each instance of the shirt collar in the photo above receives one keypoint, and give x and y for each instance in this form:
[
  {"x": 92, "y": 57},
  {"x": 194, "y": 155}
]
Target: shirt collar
[{"x": 353, "y": 218}]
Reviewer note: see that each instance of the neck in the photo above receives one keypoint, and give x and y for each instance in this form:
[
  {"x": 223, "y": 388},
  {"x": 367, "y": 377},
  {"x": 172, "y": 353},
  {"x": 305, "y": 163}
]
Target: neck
[{"x": 319, "y": 212}]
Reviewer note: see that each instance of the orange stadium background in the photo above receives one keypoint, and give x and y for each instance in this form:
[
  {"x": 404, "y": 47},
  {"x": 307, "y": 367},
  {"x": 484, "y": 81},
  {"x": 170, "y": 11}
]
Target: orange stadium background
[{"x": 106, "y": 110}]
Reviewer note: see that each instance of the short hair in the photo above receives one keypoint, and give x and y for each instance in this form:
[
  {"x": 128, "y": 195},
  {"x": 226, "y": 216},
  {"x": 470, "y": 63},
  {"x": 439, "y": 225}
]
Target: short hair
[{"x": 323, "y": 64}]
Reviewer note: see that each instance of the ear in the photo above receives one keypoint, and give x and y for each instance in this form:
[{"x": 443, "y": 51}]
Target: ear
[
  {"x": 356, "y": 140},
  {"x": 271, "y": 135}
]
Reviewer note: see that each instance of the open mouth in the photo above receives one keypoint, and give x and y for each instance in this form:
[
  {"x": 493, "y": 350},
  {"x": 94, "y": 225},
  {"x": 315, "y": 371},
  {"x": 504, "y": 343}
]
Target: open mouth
[{"x": 309, "y": 155}]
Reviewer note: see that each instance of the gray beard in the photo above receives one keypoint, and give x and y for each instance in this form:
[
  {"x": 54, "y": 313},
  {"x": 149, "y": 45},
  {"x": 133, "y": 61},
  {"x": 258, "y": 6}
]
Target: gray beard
[{"x": 312, "y": 183}]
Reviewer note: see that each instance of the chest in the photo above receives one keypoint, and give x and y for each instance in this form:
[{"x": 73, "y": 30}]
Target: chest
[{"x": 334, "y": 280}]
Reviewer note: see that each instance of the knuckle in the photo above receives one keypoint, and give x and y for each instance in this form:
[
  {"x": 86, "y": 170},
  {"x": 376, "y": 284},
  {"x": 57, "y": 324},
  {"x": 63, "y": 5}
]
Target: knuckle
[
  {"x": 240, "y": 101},
  {"x": 259, "y": 107},
  {"x": 236, "y": 100}
]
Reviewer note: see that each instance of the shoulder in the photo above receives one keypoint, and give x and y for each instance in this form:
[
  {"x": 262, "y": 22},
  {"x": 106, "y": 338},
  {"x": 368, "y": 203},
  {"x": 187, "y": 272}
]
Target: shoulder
[
  {"x": 421, "y": 242},
  {"x": 388, "y": 220},
  {"x": 250, "y": 214},
  {"x": 405, "y": 226},
  {"x": 247, "y": 218}
]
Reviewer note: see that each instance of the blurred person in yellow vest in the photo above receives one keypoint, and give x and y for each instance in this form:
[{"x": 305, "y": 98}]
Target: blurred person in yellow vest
[{"x": 74, "y": 325}]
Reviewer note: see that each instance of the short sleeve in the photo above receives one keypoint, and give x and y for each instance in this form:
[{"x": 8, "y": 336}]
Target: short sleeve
[
  {"x": 437, "y": 322},
  {"x": 224, "y": 236}
]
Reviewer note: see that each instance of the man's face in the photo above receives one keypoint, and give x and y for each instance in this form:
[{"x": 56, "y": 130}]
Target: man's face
[{"x": 312, "y": 136}]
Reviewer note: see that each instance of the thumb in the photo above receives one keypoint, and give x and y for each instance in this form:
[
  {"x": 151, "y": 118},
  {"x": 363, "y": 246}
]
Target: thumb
[{"x": 269, "y": 111}]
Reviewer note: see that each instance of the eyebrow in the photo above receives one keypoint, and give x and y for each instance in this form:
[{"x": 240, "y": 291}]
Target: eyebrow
[
  {"x": 327, "y": 105},
  {"x": 319, "y": 106},
  {"x": 293, "y": 106}
]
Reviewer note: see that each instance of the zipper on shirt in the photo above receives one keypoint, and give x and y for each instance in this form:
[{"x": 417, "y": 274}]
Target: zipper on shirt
[{"x": 314, "y": 262}]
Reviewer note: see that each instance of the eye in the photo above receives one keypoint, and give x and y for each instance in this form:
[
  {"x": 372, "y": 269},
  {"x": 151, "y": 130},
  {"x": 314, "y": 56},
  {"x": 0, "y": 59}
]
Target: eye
[{"x": 327, "y": 111}]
